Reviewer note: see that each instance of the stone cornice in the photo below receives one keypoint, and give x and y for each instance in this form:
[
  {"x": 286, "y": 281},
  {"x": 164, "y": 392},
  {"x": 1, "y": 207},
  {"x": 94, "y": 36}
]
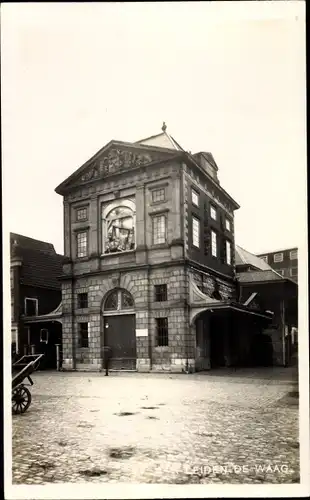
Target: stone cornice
[
  {"x": 115, "y": 160},
  {"x": 126, "y": 267}
]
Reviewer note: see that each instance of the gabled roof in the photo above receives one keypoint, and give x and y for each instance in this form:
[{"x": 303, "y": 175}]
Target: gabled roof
[
  {"x": 157, "y": 144},
  {"x": 140, "y": 148},
  {"x": 243, "y": 257},
  {"x": 161, "y": 140},
  {"x": 263, "y": 276},
  {"x": 31, "y": 243},
  {"x": 41, "y": 265},
  {"x": 41, "y": 270}
]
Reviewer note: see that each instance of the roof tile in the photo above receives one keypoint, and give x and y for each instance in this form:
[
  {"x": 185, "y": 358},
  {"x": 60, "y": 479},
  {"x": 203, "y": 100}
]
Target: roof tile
[
  {"x": 259, "y": 276},
  {"x": 41, "y": 265}
]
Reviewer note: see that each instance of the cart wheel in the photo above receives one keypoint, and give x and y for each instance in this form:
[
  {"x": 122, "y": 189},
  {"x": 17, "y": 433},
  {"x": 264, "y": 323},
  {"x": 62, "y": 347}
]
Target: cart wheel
[{"x": 21, "y": 399}]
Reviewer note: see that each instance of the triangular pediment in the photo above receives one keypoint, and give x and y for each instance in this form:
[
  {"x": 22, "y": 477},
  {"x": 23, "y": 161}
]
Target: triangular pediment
[{"x": 115, "y": 157}]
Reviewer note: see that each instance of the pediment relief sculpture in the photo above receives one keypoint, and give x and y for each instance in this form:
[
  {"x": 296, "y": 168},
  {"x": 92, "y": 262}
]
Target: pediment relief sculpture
[{"x": 117, "y": 160}]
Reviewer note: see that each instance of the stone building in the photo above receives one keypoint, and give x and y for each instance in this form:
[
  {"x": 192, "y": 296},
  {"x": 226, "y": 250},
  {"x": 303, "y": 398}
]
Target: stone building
[
  {"x": 149, "y": 271},
  {"x": 285, "y": 262}
]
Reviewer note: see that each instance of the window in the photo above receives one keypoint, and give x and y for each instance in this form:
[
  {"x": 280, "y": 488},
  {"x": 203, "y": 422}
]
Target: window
[
  {"x": 12, "y": 278},
  {"x": 82, "y": 300},
  {"x": 294, "y": 272},
  {"x": 213, "y": 243},
  {"x": 196, "y": 232},
  {"x": 278, "y": 257},
  {"x": 281, "y": 271},
  {"x": 160, "y": 293},
  {"x": 81, "y": 214},
  {"x": 162, "y": 331},
  {"x": 213, "y": 212},
  {"x": 265, "y": 258},
  {"x": 158, "y": 195},
  {"x": 227, "y": 224},
  {"x": 293, "y": 255},
  {"x": 159, "y": 229},
  {"x": 83, "y": 334},
  {"x": 126, "y": 300},
  {"x": 111, "y": 303},
  {"x": 119, "y": 228},
  {"x": 81, "y": 239},
  {"x": 12, "y": 311},
  {"x": 117, "y": 300},
  {"x": 31, "y": 307},
  {"x": 228, "y": 252},
  {"x": 195, "y": 198},
  {"x": 44, "y": 335}
]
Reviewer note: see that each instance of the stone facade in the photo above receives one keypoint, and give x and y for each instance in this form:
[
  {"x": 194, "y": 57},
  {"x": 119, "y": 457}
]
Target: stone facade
[
  {"x": 140, "y": 284},
  {"x": 99, "y": 188}
]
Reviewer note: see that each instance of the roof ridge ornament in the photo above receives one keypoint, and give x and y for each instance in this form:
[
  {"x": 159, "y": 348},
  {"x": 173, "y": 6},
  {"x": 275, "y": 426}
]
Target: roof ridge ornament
[{"x": 164, "y": 127}]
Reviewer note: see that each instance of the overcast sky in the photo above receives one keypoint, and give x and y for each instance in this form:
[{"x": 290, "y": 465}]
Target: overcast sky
[{"x": 227, "y": 78}]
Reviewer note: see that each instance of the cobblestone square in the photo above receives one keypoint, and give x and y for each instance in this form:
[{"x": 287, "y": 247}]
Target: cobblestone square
[{"x": 218, "y": 427}]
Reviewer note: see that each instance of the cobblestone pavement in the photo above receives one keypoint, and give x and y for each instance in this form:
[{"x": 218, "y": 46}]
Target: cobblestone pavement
[{"x": 220, "y": 427}]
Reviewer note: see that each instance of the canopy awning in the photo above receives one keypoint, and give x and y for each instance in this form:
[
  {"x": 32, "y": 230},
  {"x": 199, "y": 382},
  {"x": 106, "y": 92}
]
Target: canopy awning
[
  {"x": 200, "y": 302},
  {"x": 55, "y": 315}
]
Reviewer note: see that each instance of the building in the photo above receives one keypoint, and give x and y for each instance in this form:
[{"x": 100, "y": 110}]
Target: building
[
  {"x": 262, "y": 287},
  {"x": 285, "y": 262},
  {"x": 35, "y": 291},
  {"x": 150, "y": 262}
]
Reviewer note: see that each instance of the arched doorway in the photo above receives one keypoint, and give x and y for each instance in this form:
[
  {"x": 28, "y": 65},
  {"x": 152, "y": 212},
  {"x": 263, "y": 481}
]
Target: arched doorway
[{"x": 119, "y": 329}]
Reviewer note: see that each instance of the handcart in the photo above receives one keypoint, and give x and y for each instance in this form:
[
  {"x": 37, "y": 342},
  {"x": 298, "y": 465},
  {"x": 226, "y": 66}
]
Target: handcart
[{"x": 21, "y": 370}]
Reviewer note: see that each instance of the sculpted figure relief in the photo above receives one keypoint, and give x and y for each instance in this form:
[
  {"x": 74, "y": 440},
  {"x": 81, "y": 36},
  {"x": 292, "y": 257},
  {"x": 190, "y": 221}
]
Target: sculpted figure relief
[
  {"x": 116, "y": 160},
  {"x": 119, "y": 230}
]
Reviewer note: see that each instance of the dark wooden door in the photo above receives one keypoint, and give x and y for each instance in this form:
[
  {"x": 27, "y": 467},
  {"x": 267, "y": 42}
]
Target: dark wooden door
[{"x": 119, "y": 334}]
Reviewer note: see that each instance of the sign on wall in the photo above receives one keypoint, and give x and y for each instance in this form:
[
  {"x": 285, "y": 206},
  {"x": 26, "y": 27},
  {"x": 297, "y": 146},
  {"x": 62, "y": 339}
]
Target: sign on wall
[{"x": 142, "y": 332}]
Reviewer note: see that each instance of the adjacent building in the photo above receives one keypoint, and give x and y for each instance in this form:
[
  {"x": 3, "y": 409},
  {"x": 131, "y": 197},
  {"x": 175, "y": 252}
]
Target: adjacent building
[
  {"x": 261, "y": 287},
  {"x": 285, "y": 262},
  {"x": 150, "y": 263},
  {"x": 35, "y": 269}
]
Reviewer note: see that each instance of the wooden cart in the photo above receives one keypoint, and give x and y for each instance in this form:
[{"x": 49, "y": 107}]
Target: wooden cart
[{"x": 21, "y": 370}]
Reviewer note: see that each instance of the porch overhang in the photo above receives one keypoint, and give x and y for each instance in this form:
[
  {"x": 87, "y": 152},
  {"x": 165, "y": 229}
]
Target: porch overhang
[
  {"x": 200, "y": 302},
  {"x": 55, "y": 315}
]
